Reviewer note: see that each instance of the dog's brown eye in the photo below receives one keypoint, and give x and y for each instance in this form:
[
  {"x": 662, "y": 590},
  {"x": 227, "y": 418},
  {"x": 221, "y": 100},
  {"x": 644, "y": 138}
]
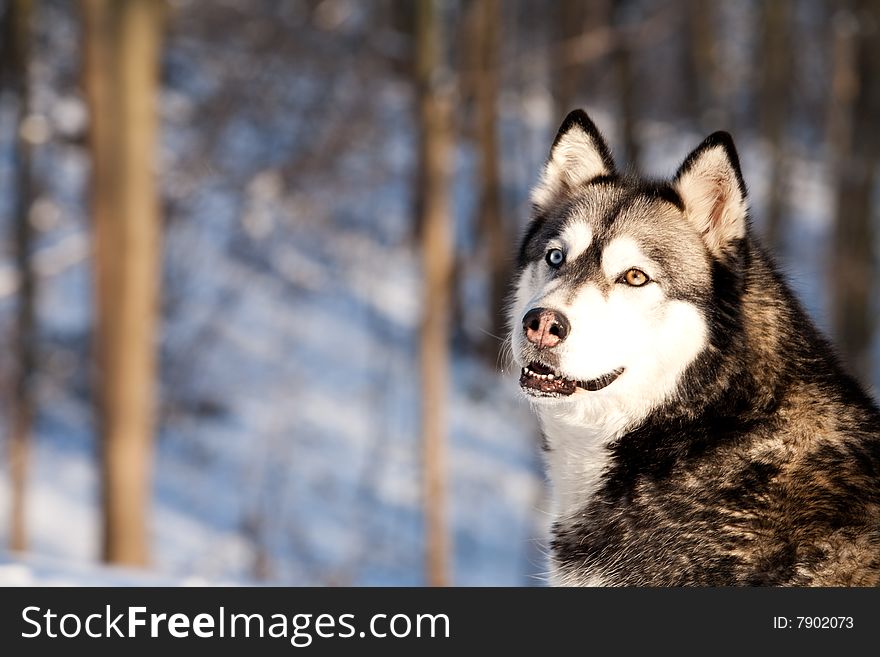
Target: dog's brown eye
[{"x": 635, "y": 277}]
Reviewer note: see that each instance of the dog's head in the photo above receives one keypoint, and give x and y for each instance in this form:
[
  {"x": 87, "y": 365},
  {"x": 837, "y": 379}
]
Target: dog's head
[{"x": 614, "y": 284}]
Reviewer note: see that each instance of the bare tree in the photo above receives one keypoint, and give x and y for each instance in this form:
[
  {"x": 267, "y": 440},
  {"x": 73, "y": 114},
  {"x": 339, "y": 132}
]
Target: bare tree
[
  {"x": 855, "y": 106},
  {"x": 626, "y": 80},
  {"x": 705, "y": 79},
  {"x": 775, "y": 90},
  {"x": 486, "y": 40},
  {"x": 570, "y": 22},
  {"x": 435, "y": 126},
  {"x": 122, "y": 48},
  {"x": 17, "y": 35},
  {"x": 574, "y": 21}
]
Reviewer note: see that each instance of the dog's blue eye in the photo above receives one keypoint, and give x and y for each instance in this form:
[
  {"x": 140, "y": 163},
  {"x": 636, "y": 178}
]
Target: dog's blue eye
[{"x": 555, "y": 258}]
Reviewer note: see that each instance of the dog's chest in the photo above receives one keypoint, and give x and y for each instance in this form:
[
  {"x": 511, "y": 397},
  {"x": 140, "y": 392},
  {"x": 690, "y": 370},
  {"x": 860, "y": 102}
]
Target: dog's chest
[{"x": 576, "y": 459}]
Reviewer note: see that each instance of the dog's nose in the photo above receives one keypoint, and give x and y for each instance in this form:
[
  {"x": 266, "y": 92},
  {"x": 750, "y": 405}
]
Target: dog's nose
[{"x": 545, "y": 328}]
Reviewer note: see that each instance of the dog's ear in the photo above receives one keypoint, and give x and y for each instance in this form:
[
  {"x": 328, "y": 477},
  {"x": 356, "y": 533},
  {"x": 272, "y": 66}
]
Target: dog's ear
[
  {"x": 579, "y": 154},
  {"x": 711, "y": 186}
]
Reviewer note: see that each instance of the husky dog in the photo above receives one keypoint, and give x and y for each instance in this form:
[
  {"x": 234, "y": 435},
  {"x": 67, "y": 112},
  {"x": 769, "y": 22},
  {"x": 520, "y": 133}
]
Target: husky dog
[{"x": 698, "y": 428}]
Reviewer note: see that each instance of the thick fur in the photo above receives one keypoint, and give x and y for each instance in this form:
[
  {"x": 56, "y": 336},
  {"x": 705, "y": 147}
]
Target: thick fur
[{"x": 733, "y": 449}]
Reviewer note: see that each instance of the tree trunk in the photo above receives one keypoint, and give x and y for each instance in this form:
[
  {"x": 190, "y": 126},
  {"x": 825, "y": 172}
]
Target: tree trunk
[
  {"x": 567, "y": 78},
  {"x": 853, "y": 135},
  {"x": 494, "y": 234},
  {"x": 574, "y": 18},
  {"x": 776, "y": 72},
  {"x": 18, "y": 31},
  {"x": 626, "y": 85},
  {"x": 707, "y": 81},
  {"x": 122, "y": 49},
  {"x": 434, "y": 119}
]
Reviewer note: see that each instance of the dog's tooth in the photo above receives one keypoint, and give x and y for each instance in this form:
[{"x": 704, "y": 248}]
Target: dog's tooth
[{"x": 551, "y": 376}]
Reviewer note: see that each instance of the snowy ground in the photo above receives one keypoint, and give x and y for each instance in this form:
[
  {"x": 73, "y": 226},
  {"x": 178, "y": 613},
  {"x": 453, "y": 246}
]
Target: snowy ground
[{"x": 29, "y": 570}]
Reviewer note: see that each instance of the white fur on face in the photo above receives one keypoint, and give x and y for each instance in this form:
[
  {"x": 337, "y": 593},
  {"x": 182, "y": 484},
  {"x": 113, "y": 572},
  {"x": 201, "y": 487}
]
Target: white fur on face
[
  {"x": 531, "y": 285},
  {"x": 576, "y": 238},
  {"x": 535, "y": 280},
  {"x": 713, "y": 201},
  {"x": 624, "y": 253},
  {"x": 574, "y": 160},
  {"x": 652, "y": 337},
  {"x": 655, "y": 342}
]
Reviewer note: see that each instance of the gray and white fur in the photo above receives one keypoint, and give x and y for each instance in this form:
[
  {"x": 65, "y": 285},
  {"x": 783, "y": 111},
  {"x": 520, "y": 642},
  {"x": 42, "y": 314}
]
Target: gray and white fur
[{"x": 698, "y": 429}]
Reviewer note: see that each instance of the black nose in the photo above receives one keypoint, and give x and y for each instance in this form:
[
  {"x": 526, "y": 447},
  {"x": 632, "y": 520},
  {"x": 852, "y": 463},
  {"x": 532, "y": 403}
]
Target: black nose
[{"x": 545, "y": 328}]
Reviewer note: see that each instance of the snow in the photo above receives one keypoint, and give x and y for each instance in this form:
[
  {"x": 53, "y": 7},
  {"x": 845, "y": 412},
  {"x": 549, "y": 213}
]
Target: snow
[{"x": 288, "y": 449}]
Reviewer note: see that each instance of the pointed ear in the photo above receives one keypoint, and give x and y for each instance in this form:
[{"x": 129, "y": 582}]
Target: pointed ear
[
  {"x": 579, "y": 154},
  {"x": 713, "y": 192}
]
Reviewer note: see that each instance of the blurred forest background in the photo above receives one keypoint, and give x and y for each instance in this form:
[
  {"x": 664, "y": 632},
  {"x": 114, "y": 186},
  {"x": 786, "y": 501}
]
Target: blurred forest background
[{"x": 253, "y": 256}]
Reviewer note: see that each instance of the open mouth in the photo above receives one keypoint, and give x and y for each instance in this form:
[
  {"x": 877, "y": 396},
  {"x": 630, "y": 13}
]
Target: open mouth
[{"x": 540, "y": 380}]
